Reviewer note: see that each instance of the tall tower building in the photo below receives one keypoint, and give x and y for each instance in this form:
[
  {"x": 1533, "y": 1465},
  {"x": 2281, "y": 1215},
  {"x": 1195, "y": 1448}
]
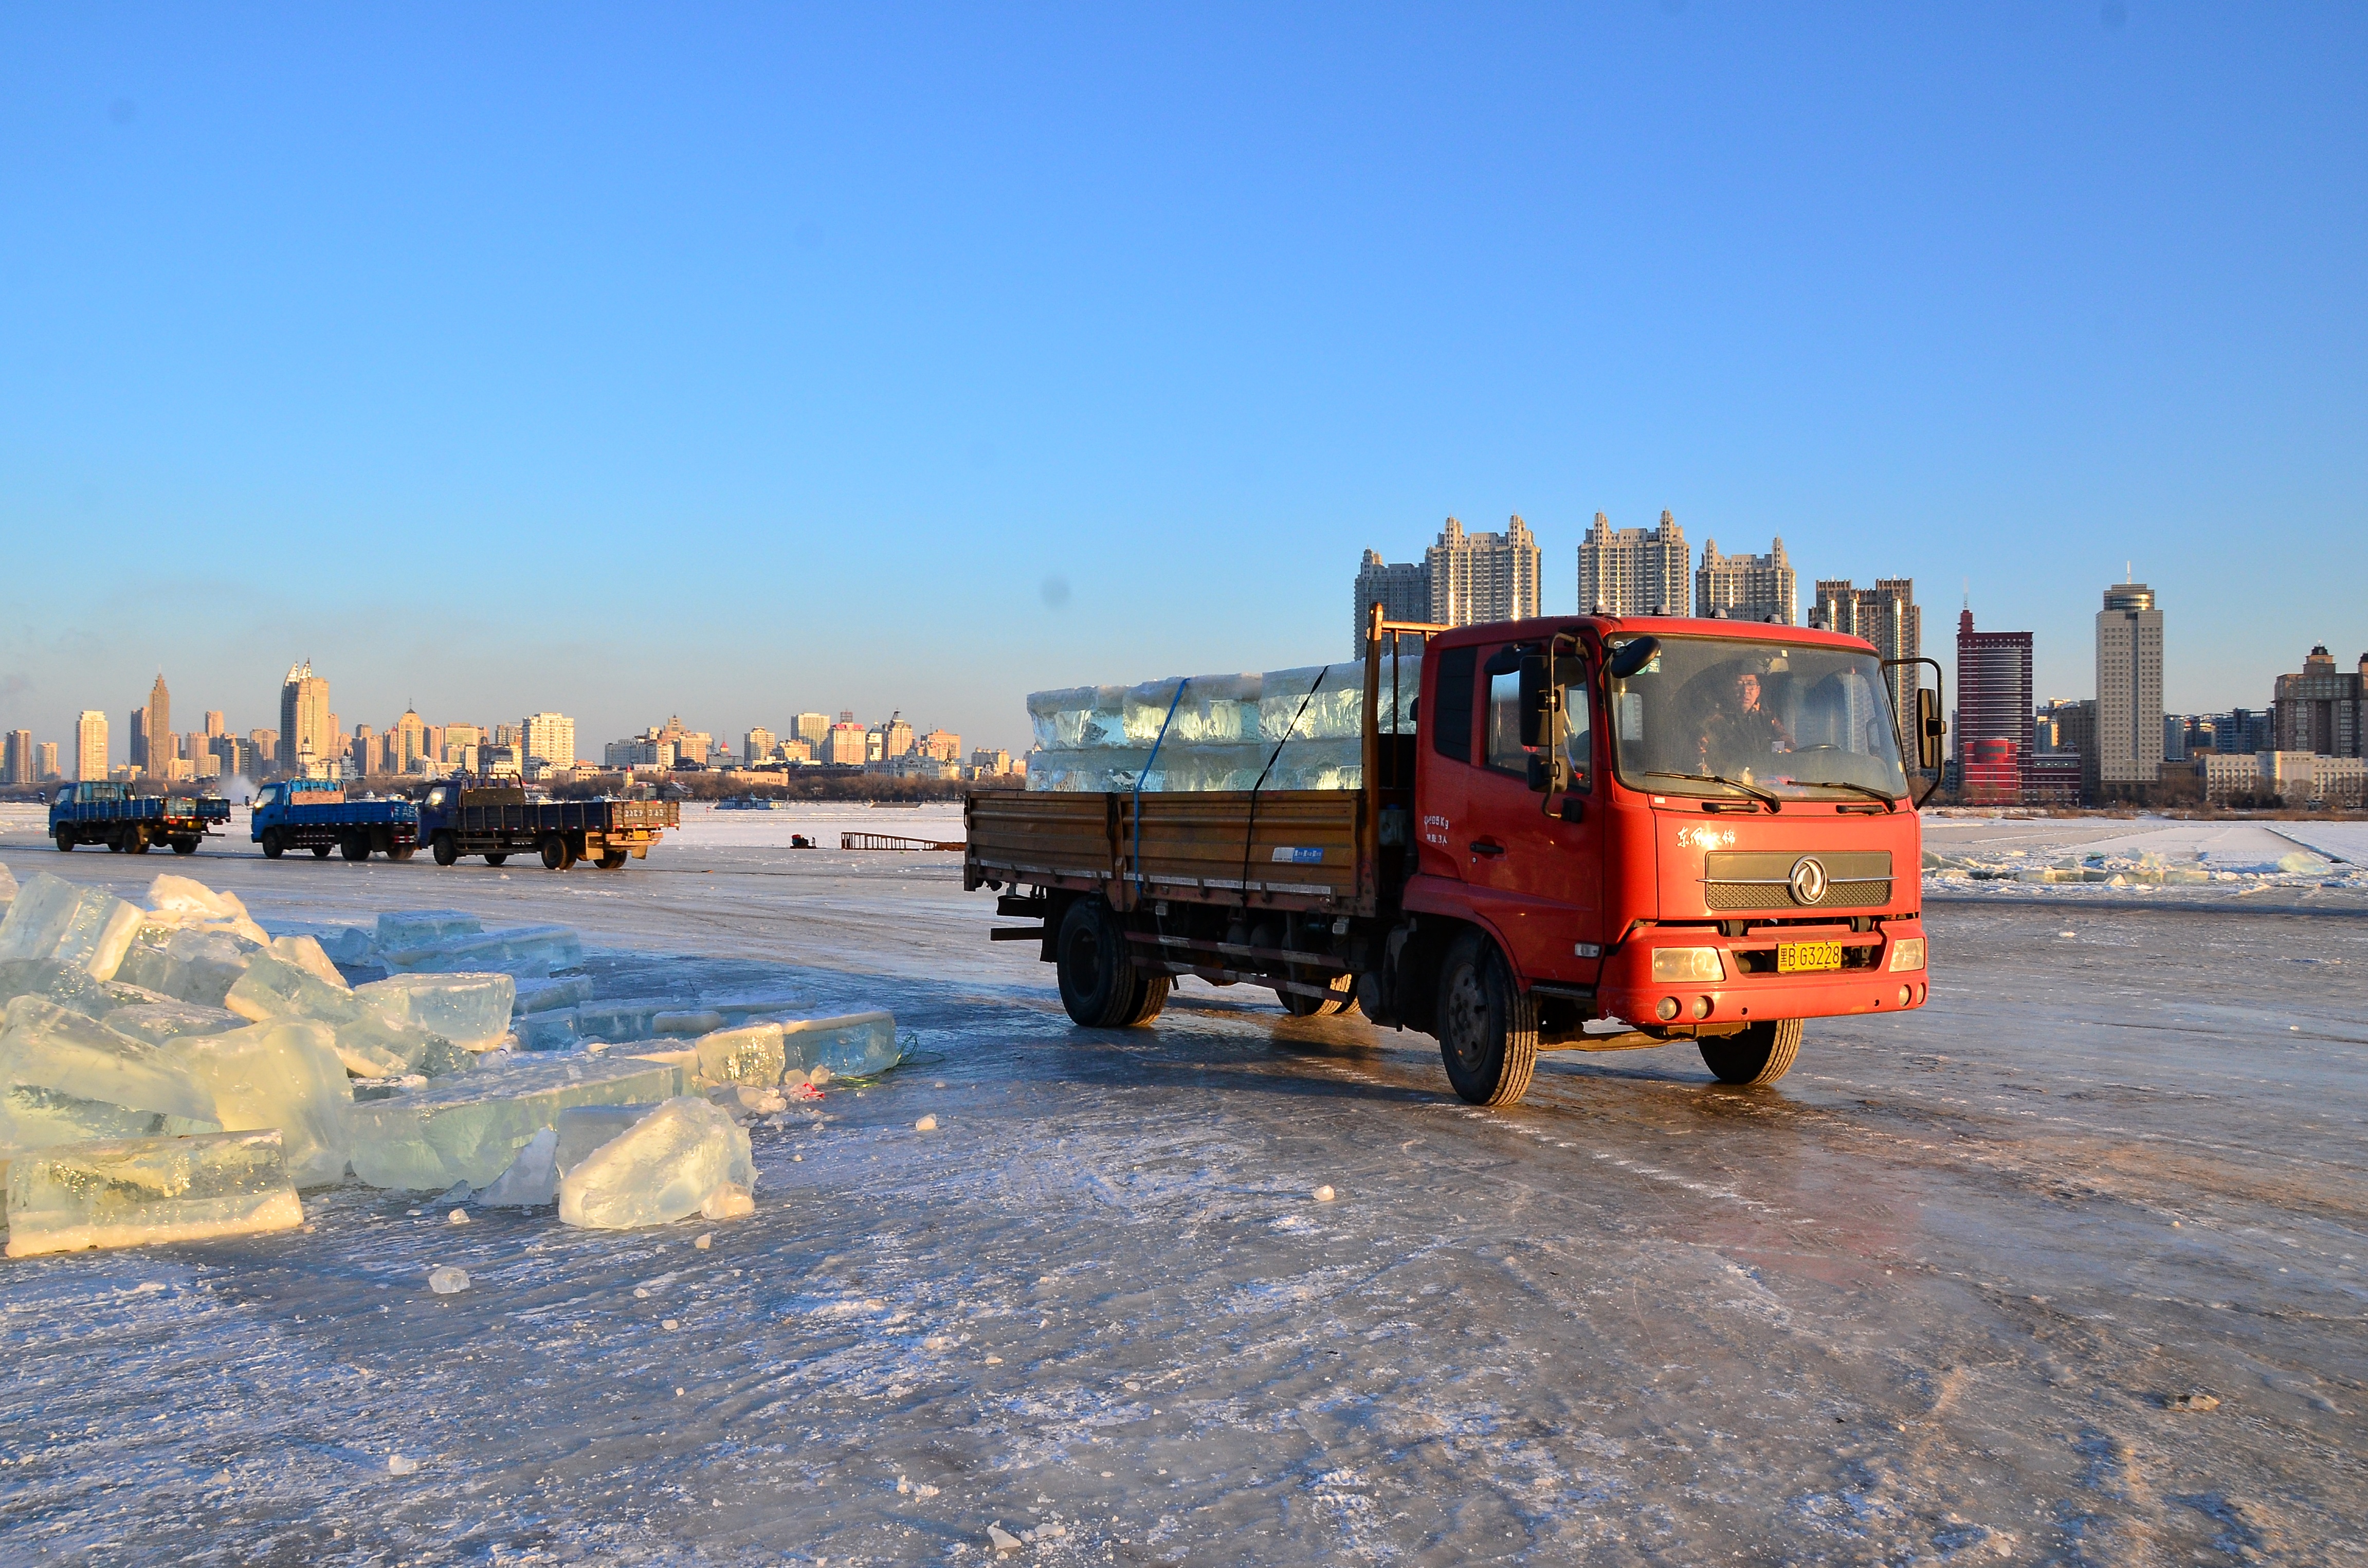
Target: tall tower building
[
  {"x": 45, "y": 761},
  {"x": 2129, "y": 689},
  {"x": 1885, "y": 615},
  {"x": 1635, "y": 571},
  {"x": 153, "y": 746},
  {"x": 812, "y": 728},
  {"x": 550, "y": 740},
  {"x": 16, "y": 765},
  {"x": 1994, "y": 715},
  {"x": 1401, "y": 588},
  {"x": 90, "y": 745},
  {"x": 1747, "y": 588},
  {"x": 2321, "y": 708},
  {"x": 305, "y": 732},
  {"x": 1476, "y": 578}
]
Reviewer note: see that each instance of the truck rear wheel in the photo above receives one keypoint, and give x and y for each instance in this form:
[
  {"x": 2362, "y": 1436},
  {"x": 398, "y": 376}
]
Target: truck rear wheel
[
  {"x": 612, "y": 860},
  {"x": 1100, "y": 984},
  {"x": 1342, "y": 996},
  {"x": 185, "y": 847},
  {"x": 402, "y": 851},
  {"x": 320, "y": 851},
  {"x": 273, "y": 845},
  {"x": 444, "y": 851},
  {"x": 495, "y": 859},
  {"x": 556, "y": 855},
  {"x": 1487, "y": 1029},
  {"x": 355, "y": 847},
  {"x": 1760, "y": 1054}
]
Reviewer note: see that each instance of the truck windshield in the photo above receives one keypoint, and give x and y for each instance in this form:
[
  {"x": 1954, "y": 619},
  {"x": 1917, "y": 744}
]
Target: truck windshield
[{"x": 1807, "y": 724}]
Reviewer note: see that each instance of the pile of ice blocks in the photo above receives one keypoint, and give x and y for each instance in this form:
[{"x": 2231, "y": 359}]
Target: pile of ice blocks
[
  {"x": 1222, "y": 733},
  {"x": 176, "y": 1072}
]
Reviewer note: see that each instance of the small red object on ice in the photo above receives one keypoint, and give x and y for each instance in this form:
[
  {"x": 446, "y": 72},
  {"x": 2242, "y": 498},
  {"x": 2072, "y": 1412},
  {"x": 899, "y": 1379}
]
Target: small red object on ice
[{"x": 804, "y": 1092}]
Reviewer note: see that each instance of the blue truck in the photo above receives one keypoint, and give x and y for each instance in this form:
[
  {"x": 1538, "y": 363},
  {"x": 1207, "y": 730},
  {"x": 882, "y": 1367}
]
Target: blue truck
[
  {"x": 300, "y": 813},
  {"x": 98, "y": 811}
]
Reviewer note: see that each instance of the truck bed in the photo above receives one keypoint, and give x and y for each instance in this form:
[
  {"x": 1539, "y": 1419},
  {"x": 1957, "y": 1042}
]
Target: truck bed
[{"x": 1290, "y": 850}]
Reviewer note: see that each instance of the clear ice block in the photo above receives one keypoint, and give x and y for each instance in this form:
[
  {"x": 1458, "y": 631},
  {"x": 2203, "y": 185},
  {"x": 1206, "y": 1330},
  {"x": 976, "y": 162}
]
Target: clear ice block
[
  {"x": 532, "y": 1178},
  {"x": 189, "y": 965},
  {"x": 666, "y": 1166},
  {"x": 165, "y": 1019},
  {"x": 80, "y": 927},
  {"x": 583, "y": 1129},
  {"x": 371, "y": 1044},
  {"x": 548, "y": 995},
  {"x": 7, "y": 887},
  {"x": 287, "y": 1074},
  {"x": 398, "y": 929},
  {"x": 66, "y": 1078},
  {"x": 138, "y": 1191},
  {"x": 472, "y": 1011},
  {"x": 470, "y": 1127},
  {"x": 522, "y": 951},
  {"x": 305, "y": 953},
  {"x": 853, "y": 1045},
  {"x": 181, "y": 902}
]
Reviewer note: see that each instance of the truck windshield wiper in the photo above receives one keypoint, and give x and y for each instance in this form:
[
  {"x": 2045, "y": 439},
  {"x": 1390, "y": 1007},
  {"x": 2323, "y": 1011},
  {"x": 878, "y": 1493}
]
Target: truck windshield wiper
[
  {"x": 1890, "y": 802},
  {"x": 1757, "y": 794}
]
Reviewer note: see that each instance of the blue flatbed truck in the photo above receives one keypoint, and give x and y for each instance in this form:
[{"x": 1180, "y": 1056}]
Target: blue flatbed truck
[
  {"x": 293, "y": 814},
  {"x": 100, "y": 812},
  {"x": 499, "y": 821}
]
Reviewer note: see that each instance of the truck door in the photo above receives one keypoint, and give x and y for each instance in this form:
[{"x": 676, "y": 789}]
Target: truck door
[
  {"x": 1538, "y": 877},
  {"x": 1446, "y": 719}
]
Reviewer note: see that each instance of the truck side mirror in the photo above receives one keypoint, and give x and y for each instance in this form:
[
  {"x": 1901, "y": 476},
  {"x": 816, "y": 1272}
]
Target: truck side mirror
[
  {"x": 1541, "y": 704},
  {"x": 1929, "y": 728},
  {"x": 1632, "y": 656}
]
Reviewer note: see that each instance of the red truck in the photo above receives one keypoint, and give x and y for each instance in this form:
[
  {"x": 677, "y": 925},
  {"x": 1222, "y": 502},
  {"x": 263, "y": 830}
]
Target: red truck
[{"x": 1598, "y": 834}]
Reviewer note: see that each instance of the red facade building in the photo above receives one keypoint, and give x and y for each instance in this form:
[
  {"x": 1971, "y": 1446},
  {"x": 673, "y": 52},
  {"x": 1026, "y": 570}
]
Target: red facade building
[{"x": 1993, "y": 729}]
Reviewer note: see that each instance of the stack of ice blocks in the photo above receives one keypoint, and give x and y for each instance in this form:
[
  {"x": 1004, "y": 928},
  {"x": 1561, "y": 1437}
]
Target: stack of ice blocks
[{"x": 1224, "y": 732}]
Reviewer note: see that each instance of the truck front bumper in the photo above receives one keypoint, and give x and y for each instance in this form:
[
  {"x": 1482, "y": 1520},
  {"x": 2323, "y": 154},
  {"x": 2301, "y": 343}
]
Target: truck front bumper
[{"x": 1748, "y": 989}]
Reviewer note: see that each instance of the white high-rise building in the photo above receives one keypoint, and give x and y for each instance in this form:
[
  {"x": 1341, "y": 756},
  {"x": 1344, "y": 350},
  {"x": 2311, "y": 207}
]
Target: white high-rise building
[
  {"x": 305, "y": 733},
  {"x": 550, "y": 741},
  {"x": 1635, "y": 571},
  {"x": 757, "y": 745},
  {"x": 1887, "y": 616},
  {"x": 90, "y": 745},
  {"x": 2129, "y": 687},
  {"x": 1747, "y": 588},
  {"x": 1481, "y": 578}
]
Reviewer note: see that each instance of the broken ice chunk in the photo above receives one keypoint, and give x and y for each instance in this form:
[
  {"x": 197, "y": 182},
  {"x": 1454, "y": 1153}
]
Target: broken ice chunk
[
  {"x": 287, "y": 1074},
  {"x": 80, "y": 927},
  {"x": 523, "y": 950},
  {"x": 344, "y": 944},
  {"x": 165, "y": 1019},
  {"x": 583, "y": 1129},
  {"x": 663, "y": 1168},
  {"x": 189, "y": 965},
  {"x": 472, "y": 1011},
  {"x": 66, "y": 1078},
  {"x": 547, "y": 995},
  {"x": 856, "y": 1045},
  {"x": 402, "y": 928},
  {"x": 730, "y": 1202},
  {"x": 532, "y": 1178},
  {"x": 306, "y": 954},
  {"x": 181, "y": 902},
  {"x": 620, "y": 1022},
  {"x": 752, "y": 1055},
  {"x": 549, "y": 1032},
  {"x": 470, "y": 1128},
  {"x": 137, "y": 1191},
  {"x": 705, "y": 1020},
  {"x": 7, "y": 887},
  {"x": 371, "y": 1044}
]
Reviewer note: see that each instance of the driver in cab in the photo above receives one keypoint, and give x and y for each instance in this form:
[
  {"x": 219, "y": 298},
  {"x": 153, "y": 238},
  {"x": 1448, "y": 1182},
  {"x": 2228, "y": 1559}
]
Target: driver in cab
[{"x": 1740, "y": 729}]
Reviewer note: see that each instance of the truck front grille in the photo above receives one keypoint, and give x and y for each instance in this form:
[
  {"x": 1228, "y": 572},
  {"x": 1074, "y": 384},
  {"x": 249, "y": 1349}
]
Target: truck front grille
[{"x": 1737, "y": 879}]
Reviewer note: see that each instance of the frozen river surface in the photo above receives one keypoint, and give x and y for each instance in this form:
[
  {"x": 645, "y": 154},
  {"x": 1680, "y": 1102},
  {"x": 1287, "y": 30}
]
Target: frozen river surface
[{"x": 1946, "y": 1294}]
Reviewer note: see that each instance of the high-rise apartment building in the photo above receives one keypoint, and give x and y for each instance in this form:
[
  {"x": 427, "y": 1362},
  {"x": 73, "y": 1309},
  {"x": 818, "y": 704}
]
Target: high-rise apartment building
[
  {"x": 945, "y": 745},
  {"x": 16, "y": 762},
  {"x": 2319, "y": 710},
  {"x": 2129, "y": 690},
  {"x": 215, "y": 723},
  {"x": 407, "y": 744},
  {"x": 45, "y": 762},
  {"x": 90, "y": 745},
  {"x": 1885, "y": 615},
  {"x": 757, "y": 745},
  {"x": 1747, "y": 588},
  {"x": 1481, "y": 578},
  {"x": 1402, "y": 588},
  {"x": 1635, "y": 571},
  {"x": 812, "y": 728},
  {"x": 550, "y": 741},
  {"x": 1994, "y": 725},
  {"x": 305, "y": 732},
  {"x": 845, "y": 744},
  {"x": 363, "y": 751}
]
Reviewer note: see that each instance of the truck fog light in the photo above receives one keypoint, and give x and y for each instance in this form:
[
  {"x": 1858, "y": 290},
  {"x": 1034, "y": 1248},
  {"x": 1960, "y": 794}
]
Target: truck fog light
[
  {"x": 1906, "y": 994},
  {"x": 1702, "y": 1006},
  {"x": 1908, "y": 952},
  {"x": 1667, "y": 1009},
  {"x": 1688, "y": 963}
]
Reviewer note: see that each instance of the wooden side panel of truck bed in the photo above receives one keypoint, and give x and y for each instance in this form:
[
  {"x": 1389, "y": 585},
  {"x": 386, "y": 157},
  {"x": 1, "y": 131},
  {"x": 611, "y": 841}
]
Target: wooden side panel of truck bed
[{"x": 1289, "y": 848}]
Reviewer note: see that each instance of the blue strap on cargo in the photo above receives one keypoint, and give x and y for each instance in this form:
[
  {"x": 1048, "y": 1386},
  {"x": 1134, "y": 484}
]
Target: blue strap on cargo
[{"x": 1139, "y": 778}]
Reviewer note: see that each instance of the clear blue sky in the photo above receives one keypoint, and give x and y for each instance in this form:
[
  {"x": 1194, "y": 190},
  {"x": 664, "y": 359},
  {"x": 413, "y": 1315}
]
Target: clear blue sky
[{"x": 737, "y": 360}]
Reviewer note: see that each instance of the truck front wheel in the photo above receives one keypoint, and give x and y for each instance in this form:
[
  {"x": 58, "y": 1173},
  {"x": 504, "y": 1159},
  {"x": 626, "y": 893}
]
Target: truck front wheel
[
  {"x": 320, "y": 851},
  {"x": 1100, "y": 984},
  {"x": 444, "y": 849},
  {"x": 355, "y": 847},
  {"x": 65, "y": 838},
  {"x": 1760, "y": 1054},
  {"x": 274, "y": 846},
  {"x": 135, "y": 841},
  {"x": 1487, "y": 1029},
  {"x": 556, "y": 856}
]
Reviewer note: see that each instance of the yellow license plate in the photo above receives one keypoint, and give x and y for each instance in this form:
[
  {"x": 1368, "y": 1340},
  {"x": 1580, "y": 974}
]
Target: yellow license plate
[{"x": 1807, "y": 958}]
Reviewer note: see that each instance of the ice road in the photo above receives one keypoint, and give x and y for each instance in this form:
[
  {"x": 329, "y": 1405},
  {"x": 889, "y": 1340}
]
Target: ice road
[{"x": 2066, "y": 1267}]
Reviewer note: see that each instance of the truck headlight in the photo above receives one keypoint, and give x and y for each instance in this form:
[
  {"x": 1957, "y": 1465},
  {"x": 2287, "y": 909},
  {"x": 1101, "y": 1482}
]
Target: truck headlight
[
  {"x": 1688, "y": 963},
  {"x": 1908, "y": 952}
]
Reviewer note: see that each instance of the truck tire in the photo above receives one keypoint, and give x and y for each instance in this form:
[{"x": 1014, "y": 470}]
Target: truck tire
[
  {"x": 612, "y": 860},
  {"x": 320, "y": 851},
  {"x": 355, "y": 847},
  {"x": 402, "y": 851},
  {"x": 1760, "y": 1054},
  {"x": 497, "y": 859},
  {"x": 1487, "y": 1029},
  {"x": 1100, "y": 987},
  {"x": 556, "y": 855},
  {"x": 1150, "y": 996},
  {"x": 185, "y": 847},
  {"x": 274, "y": 846},
  {"x": 443, "y": 850},
  {"x": 64, "y": 836},
  {"x": 1342, "y": 998},
  {"x": 135, "y": 841}
]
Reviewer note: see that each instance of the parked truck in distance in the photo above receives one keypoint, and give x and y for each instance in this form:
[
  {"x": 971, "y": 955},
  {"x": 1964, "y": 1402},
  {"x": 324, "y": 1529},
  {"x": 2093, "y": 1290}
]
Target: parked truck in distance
[
  {"x": 1596, "y": 834},
  {"x": 497, "y": 822},
  {"x": 315, "y": 815},
  {"x": 99, "y": 812}
]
